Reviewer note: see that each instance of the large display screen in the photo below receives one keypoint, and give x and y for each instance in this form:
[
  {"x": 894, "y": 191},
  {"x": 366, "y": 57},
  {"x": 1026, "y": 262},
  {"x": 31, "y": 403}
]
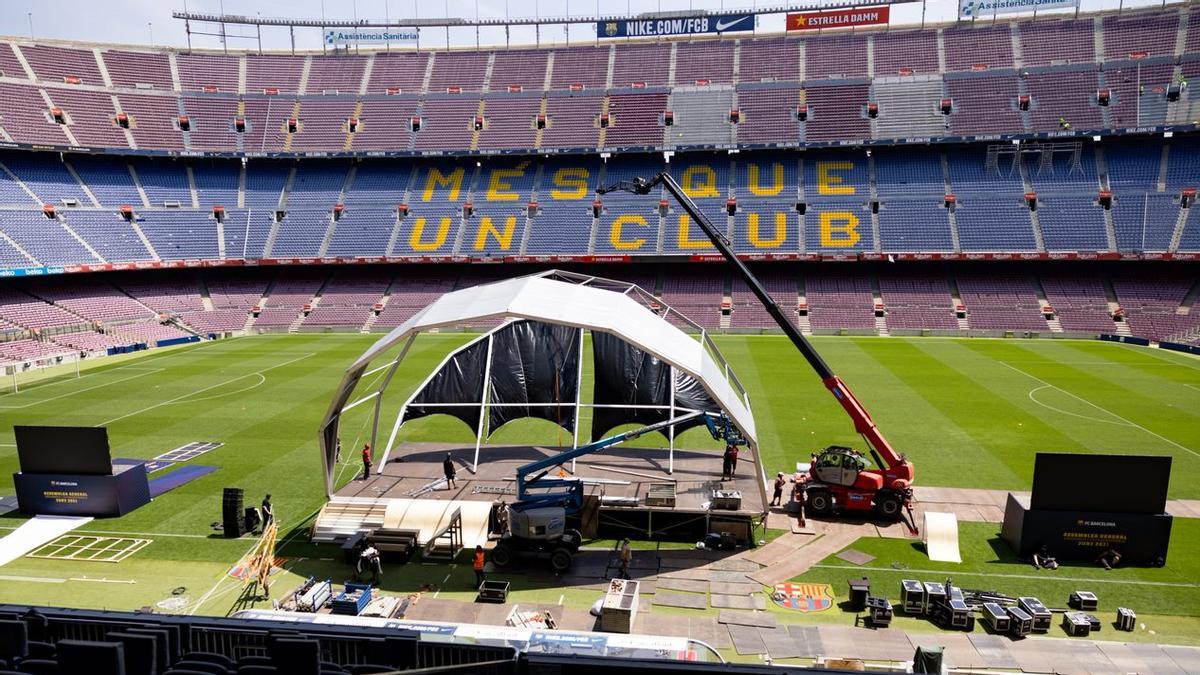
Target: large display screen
[
  {"x": 63, "y": 450},
  {"x": 1111, "y": 483}
]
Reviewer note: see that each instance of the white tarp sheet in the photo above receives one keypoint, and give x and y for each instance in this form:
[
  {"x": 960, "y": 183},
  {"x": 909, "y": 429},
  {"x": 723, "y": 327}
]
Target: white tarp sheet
[
  {"x": 37, "y": 532},
  {"x": 941, "y": 537}
]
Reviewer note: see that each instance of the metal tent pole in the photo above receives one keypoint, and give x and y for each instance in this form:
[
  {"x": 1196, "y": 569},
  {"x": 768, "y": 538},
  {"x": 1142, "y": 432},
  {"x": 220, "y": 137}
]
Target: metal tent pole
[
  {"x": 387, "y": 379},
  {"x": 483, "y": 401},
  {"x": 578, "y": 395}
]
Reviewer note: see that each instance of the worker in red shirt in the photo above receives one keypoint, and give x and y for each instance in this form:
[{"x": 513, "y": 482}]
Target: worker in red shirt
[
  {"x": 366, "y": 454},
  {"x": 477, "y": 565}
]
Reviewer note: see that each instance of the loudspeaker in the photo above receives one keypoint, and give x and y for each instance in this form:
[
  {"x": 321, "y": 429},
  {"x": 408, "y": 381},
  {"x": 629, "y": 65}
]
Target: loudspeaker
[
  {"x": 231, "y": 512},
  {"x": 251, "y": 518}
]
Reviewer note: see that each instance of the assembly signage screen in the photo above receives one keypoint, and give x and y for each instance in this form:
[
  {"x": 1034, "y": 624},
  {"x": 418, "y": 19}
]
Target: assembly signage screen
[{"x": 676, "y": 25}]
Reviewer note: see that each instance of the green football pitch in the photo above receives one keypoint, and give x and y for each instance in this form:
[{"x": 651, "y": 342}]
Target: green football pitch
[{"x": 969, "y": 412}]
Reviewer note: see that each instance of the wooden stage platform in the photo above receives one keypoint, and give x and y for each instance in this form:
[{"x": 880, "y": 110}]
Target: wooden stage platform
[{"x": 414, "y": 470}]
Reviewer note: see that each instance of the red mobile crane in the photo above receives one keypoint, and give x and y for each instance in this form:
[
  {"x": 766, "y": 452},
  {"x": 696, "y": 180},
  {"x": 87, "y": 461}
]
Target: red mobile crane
[{"x": 838, "y": 479}]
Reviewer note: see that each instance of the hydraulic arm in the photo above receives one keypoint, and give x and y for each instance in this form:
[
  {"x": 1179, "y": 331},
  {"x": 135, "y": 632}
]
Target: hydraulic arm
[{"x": 895, "y": 466}]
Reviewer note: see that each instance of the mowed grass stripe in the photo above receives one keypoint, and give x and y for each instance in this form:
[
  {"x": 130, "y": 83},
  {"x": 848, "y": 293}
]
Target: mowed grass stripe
[
  {"x": 996, "y": 425},
  {"x": 944, "y": 450},
  {"x": 1149, "y": 425}
]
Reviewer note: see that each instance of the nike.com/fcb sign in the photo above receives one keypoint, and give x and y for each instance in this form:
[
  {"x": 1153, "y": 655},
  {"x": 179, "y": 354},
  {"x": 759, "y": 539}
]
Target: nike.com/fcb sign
[
  {"x": 682, "y": 25},
  {"x": 846, "y": 18}
]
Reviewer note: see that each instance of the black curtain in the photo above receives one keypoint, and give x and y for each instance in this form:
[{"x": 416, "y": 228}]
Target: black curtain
[
  {"x": 534, "y": 362},
  {"x": 626, "y": 375},
  {"x": 459, "y": 381}
]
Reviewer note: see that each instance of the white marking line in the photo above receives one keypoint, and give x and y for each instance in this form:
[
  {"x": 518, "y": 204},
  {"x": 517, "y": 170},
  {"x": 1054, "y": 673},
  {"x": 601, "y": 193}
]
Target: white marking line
[
  {"x": 39, "y": 580},
  {"x": 1055, "y": 577},
  {"x": 1192, "y": 386},
  {"x": 439, "y": 590},
  {"x": 147, "y": 535},
  {"x": 560, "y": 598},
  {"x": 262, "y": 379},
  {"x": 1105, "y": 410},
  {"x": 80, "y": 391},
  {"x": 1068, "y": 412},
  {"x": 199, "y": 391}
]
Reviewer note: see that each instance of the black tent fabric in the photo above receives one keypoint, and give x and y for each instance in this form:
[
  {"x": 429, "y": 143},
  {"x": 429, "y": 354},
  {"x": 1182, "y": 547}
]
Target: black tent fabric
[
  {"x": 534, "y": 362},
  {"x": 459, "y": 381},
  {"x": 626, "y": 375}
]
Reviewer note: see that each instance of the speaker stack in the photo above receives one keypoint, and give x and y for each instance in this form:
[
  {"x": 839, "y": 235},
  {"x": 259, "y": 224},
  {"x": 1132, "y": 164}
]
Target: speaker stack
[{"x": 231, "y": 513}]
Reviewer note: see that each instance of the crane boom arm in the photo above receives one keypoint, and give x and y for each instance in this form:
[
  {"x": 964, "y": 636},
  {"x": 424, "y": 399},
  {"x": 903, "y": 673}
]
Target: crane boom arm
[{"x": 863, "y": 423}]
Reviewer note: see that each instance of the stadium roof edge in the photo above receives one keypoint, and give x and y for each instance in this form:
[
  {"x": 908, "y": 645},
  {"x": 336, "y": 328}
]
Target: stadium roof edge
[{"x": 369, "y": 49}]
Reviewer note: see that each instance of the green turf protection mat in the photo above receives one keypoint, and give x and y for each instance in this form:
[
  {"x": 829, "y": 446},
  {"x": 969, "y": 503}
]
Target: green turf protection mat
[
  {"x": 1187, "y": 658},
  {"x": 689, "y": 585},
  {"x": 746, "y": 639},
  {"x": 758, "y": 619},
  {"x": 734, "y": 565},
  {"x": 685, "y": 600},
  {"x": 734, "y": 588},
  {"x": 994, "y": 650},
  {"x": 807, "y": 639},
  {"x": 779, "y": 644},
  {"x": 855, "y": 557},
  {"x": 1156, "y": 659},
  {"x": 721, "y": 601}
]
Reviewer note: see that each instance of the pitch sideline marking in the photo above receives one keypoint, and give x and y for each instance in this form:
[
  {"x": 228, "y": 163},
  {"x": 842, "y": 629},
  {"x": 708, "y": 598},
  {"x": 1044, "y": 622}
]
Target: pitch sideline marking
[
  {"x": 1102, "y": 409},
  {"x": 1067, "y": 412},
  {"x": 198, "y": 391},
  {"x": 80, "y": 391},
  {"x": 956, "y": 573}
]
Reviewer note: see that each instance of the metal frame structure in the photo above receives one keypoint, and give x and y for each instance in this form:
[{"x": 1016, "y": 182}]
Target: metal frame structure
[{"x": 582, "y": 301}]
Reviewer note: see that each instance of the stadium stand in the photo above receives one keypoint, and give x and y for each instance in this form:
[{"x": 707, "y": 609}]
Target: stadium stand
[{"x": 958, "y": 199}]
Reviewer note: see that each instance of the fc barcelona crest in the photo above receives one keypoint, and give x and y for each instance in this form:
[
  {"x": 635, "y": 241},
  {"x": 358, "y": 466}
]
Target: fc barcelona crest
[
  {"x": 610, "y": 28},
  {"x": 803, "y": 597}
]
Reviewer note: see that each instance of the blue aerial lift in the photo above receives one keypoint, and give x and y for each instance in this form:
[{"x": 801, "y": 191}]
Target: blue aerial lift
[{"x": 537, "y": 521}]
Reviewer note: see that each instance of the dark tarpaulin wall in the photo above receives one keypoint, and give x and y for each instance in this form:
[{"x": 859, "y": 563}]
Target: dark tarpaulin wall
[
  {"x": 626, "y": 375},
  {"x": 460, "y": 380},
  {"x": 534, "y": 362}
]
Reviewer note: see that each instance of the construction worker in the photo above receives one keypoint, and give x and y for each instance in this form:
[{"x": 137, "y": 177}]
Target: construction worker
[
  {"x": 369, "y": 560},
  {"x": 727, "y": 463},
  {"x": 1109, "y": 558},
  {"x": 1064, "y": 124},
  {"x": 268, "y": 513},
  {"x": 448, "y": 469},
  {"x": 477, "y": 564},
  {"x": 626, "y": 557},
  {"x": 780, "y": 482},
  {"x": 366, "y": 459}
]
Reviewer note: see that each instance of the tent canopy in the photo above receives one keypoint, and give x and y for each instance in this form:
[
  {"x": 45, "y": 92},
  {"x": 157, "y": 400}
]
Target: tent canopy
[{"x": 645, "y": 358}]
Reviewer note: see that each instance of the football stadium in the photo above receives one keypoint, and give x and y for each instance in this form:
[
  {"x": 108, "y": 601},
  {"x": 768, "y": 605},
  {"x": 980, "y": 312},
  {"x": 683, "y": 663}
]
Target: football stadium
[{"x": 677, "y": 337}]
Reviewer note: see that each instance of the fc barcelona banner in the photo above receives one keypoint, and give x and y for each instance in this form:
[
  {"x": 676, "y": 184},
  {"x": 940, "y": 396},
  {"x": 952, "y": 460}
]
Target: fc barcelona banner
[
  {"x": 844, "y": 18},
  {"x": 678, "y": 25}
]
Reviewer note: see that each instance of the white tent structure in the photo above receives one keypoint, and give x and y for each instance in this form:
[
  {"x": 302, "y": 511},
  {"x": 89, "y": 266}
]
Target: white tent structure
[{"x": 560, "y": 299}]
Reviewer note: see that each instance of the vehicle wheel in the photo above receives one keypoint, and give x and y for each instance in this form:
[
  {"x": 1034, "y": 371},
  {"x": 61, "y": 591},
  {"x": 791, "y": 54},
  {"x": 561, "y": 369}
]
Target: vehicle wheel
[
  {"x": 888, "y": 505},
  {"x": 574, "y": 536},
  {"x": 560, "y": 559},
  {"x": 501, "y": 556},
  {"x": 818, "y": 503}
]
